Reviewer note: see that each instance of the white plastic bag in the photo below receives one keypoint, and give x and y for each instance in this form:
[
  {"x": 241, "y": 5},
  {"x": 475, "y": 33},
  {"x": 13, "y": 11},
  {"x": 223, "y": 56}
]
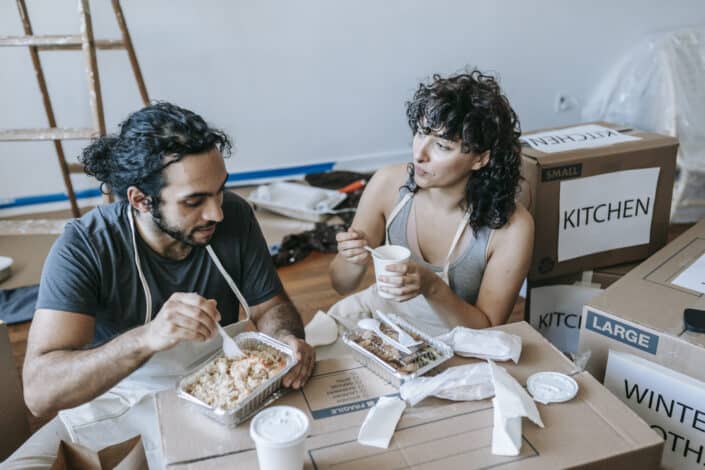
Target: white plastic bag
[
  {"x": 483, "y": 344},
  {"x": 657, "y": 87},
  {"x": 460, "y": 383}
]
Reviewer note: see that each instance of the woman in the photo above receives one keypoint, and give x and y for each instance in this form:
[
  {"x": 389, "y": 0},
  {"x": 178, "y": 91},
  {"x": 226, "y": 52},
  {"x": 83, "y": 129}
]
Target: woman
[{"x": 455, "y": 210}]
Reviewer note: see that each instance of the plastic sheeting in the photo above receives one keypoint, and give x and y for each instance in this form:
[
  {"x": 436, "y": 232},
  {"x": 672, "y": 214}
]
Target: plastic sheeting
[{"x": 659, "y": 86}]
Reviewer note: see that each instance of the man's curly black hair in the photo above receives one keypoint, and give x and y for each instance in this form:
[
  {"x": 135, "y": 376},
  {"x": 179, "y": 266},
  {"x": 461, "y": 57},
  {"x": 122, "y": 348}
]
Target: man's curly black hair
[
  {"x": 471, "y": 108},
  {"x": 149, "y": 140}
]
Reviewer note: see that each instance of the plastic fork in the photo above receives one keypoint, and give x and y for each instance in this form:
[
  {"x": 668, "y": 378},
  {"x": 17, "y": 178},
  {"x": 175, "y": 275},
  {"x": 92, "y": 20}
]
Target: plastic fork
[
  {"x": 404, "y": 338},
  {"x": 372, "y": 324},
  {"x": 230, "y": 347}
]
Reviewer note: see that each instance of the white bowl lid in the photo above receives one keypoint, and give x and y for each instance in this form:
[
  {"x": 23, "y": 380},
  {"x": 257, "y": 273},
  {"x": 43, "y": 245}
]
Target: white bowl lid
[{"x": 551, "y": 387}]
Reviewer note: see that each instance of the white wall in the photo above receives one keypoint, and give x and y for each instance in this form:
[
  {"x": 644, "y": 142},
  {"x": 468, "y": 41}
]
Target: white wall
[{"x": 307, "y": 81}]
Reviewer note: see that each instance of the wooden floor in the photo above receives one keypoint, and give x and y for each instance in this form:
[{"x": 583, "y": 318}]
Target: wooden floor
[{"x": 306, "y": 282}]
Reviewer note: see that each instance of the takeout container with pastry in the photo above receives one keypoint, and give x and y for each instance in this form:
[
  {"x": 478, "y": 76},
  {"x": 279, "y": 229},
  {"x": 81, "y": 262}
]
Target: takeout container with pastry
[
  {"x": 391, "y": 363},
  {"x": 232, "y": 390}
]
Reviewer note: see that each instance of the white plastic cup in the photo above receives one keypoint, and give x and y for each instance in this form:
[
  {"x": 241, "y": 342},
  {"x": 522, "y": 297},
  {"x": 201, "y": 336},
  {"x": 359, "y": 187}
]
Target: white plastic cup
[
  {"x": 383, "y": 256},
  {"x": 280, "y": 434}
]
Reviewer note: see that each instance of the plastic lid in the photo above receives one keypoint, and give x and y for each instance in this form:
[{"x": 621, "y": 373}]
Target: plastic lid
[
  {"x": 5, "y": 262},
  {"x": 279, "y": 426},
  {"x": 551, "y": 387}
]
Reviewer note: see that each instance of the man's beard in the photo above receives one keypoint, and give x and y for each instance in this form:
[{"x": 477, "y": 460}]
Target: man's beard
[{"x": 175, "y": 232}]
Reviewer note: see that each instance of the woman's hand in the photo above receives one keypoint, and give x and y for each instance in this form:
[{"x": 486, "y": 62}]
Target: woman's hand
[
  {"x": 351, "y": 246},
  {"x": 411, "y": 280}
]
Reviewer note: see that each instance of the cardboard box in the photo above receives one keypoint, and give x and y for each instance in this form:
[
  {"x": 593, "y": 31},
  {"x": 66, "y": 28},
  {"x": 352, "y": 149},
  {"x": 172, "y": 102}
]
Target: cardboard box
[
  {"x": 594, "y": 430},
  {"x": 594, "y": 205},
  {"x": 642, "y": 313},
  {"x": 28, "y": 253},
  {"x": 13, "y": 417},
  {"x": 554, "y": 306},
  {"x": 673, "y": 404}
]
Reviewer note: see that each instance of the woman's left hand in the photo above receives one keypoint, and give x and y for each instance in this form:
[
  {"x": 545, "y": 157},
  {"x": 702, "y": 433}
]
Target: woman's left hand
[{"x": 412, "y": 280}]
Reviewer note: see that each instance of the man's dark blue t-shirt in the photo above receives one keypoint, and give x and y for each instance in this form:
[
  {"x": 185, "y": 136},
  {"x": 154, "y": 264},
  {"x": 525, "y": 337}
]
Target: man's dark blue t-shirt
[{"x": 91, "y": 269}]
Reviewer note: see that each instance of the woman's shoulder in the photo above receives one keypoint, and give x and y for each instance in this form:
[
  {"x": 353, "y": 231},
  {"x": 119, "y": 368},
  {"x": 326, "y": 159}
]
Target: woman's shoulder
[
  {"x": 519, "y": 227},
  {"x": 386, "y": 181},
  {"x": 391, "y": 175}
]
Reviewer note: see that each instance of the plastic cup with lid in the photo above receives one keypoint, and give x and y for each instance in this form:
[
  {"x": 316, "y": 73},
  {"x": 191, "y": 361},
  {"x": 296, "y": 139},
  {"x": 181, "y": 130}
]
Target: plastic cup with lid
[{"x": 280, "y": 434}]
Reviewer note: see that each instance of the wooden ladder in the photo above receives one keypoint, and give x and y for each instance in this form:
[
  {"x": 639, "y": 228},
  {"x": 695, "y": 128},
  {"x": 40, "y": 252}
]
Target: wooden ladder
[{"x": 85, "y": 42}]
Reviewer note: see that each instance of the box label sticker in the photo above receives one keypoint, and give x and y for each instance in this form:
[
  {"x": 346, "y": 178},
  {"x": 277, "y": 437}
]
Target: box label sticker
[
  {"x": 618, "y": 331},
  {"x": 673, "y": 404},
  {"x": 575, "y": 138},
  {"x": 562, "y": 172},
  {"x": 556, "y": 312},
  {"x": 693, "y": 277},
  {"x": 606, "y": 212},
  {"x": 345, "y": 391}
]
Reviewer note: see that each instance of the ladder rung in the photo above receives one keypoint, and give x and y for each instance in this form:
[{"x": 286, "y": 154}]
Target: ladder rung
[
  {"x": 102, "y": 44},
  {"x": 51, "y": 133},
  {"x": 75, "y": 168},
  {"x": 57, "y": 42}
]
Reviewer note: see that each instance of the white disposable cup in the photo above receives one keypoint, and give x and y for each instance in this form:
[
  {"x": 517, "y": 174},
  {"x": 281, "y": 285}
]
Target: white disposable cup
[
  {"x": 280, "y": 433},
  {"x": 383, "y": 256}
]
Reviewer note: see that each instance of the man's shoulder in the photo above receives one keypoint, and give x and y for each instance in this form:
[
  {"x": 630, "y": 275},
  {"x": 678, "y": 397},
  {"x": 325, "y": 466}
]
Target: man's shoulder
[
  {"x": 234, "y": 204},
  {"x": 103, "y": 224}
]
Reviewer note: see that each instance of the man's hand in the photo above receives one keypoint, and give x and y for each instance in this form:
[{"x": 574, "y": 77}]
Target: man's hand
[
  {"x": 183, "y": 317},
  {"x": 297, "y": 377}
]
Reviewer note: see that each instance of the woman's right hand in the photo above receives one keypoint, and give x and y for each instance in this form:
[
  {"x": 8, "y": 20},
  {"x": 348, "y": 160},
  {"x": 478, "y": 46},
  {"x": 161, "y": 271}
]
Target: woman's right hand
[{"x": 351, "y": 246}]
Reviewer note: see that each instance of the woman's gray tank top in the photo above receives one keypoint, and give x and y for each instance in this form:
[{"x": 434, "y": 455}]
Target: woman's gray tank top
[{"x": 465, "y": 271}]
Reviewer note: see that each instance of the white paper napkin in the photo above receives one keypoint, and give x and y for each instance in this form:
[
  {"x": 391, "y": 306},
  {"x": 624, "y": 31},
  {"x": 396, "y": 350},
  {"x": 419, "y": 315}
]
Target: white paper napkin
[
  {"x": 321, "y": 330},
  {"x": 511, "y": 403},
  {"x": 460, "y": 383},
  {"x": 378, "y": 428},
  {"x": 483, "y": 344}
]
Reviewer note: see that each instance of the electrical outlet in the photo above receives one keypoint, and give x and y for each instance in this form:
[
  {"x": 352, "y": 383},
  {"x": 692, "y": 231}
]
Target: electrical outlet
[{"x": 564, "y": 102}]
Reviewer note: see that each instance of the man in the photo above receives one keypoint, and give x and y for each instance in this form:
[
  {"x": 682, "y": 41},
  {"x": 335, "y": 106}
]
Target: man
[{"x": 131, "y": 289}]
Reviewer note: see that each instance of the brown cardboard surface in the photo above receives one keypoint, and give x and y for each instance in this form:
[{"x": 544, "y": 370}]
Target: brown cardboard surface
[
  {"x": 593, "y": 430},
  {"x": 13, "y": 419},
  {"x": 646, "y": 300},
  {"x": 653, "y": 150},
  {"x": 603, "y": 277},
  {"x": 28, "y": 253}
]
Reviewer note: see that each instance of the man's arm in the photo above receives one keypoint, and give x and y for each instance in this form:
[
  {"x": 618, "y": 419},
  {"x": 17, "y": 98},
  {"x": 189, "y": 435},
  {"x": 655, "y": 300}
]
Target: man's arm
[
  {"x": 59, "y": 374},
  {"x": 278, "y": 317}
]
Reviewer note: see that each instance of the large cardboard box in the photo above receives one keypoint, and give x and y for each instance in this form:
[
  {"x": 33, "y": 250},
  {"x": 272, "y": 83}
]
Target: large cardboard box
[
  {"x": 642, "y": 313},
  {"x": 673, "y": 404},
  {"x": 554, "y": 306},
  {"x": 13, "y": 417},
  {"x": 594, "y": 430},
  {"x": 600, "y": 195}
]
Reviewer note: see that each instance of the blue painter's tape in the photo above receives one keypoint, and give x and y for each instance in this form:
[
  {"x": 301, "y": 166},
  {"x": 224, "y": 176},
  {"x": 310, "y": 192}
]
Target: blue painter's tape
[
  {"x": 232, "y": 177},
  {"x": 46, "y": 198},
  {"x": 622, "y": 332},
  {"x": 347, "y": 408}
]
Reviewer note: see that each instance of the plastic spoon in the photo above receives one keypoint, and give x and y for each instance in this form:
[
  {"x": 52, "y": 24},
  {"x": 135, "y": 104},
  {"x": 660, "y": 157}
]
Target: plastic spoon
[
  {"x": 404, "y": 338},
  {"x": 230, "y": 347},
  {"x": 373, "y": 325},
  {"x": 371, "y": 250}
]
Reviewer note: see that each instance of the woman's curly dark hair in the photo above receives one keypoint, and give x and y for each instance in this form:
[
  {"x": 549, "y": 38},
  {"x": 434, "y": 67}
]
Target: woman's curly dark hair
[
  {"x": 471, "y": 108},
  {"x": 149, "y": 140}
]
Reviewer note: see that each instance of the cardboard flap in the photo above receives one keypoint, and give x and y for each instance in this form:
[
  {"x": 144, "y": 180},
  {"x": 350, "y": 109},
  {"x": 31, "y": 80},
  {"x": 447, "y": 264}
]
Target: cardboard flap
[
  {"x": 647, "y": 140},
  {"x": 127, "y": 455}
]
